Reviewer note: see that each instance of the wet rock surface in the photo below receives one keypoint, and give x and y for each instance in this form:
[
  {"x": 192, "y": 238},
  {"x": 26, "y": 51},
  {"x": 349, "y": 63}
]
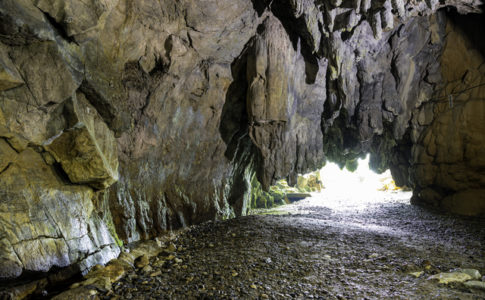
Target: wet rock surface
[{"x": 319, "y": 248}]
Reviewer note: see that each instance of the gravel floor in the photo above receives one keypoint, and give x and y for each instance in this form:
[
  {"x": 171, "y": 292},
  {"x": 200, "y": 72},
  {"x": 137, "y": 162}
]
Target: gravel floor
[{"x": 324, "y": 247}]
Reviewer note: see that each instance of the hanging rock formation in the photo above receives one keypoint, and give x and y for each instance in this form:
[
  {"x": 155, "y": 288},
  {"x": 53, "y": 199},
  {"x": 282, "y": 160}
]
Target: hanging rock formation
[{"x": 121, "y": 119}]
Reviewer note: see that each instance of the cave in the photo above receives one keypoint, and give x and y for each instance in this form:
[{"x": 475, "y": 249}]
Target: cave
[{"x": 132, "y": 132}]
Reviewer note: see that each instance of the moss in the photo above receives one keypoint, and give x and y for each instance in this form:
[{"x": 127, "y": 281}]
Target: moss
[
  {"x": 351, "y": 165},
  {"x": 261, "y": 199},
  {"x": 112, "y": 230}
]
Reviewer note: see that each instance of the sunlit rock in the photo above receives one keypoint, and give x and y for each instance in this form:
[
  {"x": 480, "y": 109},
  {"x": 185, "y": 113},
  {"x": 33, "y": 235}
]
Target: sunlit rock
[{"x": 450, "y": 277}]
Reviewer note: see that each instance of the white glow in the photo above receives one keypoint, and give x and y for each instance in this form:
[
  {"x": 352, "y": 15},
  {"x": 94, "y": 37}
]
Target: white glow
[{"x": 360, "y": 182}]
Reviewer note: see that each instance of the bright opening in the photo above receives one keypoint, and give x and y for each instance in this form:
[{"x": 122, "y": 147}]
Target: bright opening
[
  {"x": 362, "y": 181},
  {"x": 333, "y": 187}
]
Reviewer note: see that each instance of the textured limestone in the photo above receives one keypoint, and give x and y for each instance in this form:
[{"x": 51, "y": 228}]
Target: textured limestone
[
  {"x": 48, "y": 223},
  {"x": 9, "y": 76},
  {"x": 448, "y": 155},
  {"x": 185, "y": 101},
  {"x": 87, "y": 150}
]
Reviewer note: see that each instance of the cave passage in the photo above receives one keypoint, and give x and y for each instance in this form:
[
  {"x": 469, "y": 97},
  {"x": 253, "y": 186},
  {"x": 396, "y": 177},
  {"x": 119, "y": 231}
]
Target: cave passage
[{"x": 142, "y": 144}]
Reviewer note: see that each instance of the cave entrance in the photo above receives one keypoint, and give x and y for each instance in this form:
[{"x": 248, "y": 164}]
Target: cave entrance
[
  {"x": 357, "y": 187},
  {"x": 354, "y": 185},
  {"x": 357, "y": 179}
]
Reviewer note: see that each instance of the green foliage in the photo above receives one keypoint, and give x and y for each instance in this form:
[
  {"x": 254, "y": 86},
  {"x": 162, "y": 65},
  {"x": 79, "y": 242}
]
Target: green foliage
[
  {"x": 261, "y": 199},
  {"x": 351, "y": 165}
]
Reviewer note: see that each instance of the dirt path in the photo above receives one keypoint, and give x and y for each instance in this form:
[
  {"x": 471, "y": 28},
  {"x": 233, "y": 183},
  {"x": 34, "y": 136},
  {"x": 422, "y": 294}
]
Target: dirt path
[{"x": 325, "y": 247}]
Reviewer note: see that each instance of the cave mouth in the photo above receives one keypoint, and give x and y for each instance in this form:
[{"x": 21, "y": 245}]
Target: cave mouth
[
  {"x": 354, "y": 185},
  {"x": 357, "y": 180}
]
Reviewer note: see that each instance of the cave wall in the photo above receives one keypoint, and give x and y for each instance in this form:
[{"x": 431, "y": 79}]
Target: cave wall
[
  {"x": 122, "y": 119},
  {"x": 448, "y": 132}
]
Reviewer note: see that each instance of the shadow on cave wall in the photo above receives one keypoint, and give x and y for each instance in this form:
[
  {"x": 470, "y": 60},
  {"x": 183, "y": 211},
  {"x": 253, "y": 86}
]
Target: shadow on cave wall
[
  {"x": 234, "y": 131},
  {"x": 472, "y": 26}
]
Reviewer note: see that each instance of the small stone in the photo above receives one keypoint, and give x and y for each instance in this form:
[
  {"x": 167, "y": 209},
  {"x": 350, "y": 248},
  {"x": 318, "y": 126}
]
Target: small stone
[
  {"x": 450, "y": 277},
  {"x": 264, "y": 296},
  {"x": 171, "y": 247},
  {"x": 234, "y": 274},
  {"x": 147, "y": 269},
  {"x": 327, "y": 257},
  {"x": 142, "y": 261},
  {"x": 75, "y": 285},
  {"x": 178, "y": 260},
  {"x": 211, "y": 245},
  {"x": 233, "y": 235},
  {"x": 159, "y": 242},
  {"x": 416, "y": 274},
  {"x": 170, "y": 257},
  {"x": 156, "y": 273},
  {"x": 374, "y": 255},
  {"x": 475, "y": 284},
  {"x": 159, "y": 263},
  {"x": 268, "y": 260},
  {"x": 253, "y": 286}
]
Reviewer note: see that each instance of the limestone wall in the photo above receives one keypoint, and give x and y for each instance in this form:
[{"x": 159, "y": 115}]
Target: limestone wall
[{"x": 448, "y": 158}]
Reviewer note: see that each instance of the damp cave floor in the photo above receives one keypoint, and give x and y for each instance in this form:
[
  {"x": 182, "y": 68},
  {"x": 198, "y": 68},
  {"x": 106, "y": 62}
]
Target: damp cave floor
[{"x": 323, "y": 247}]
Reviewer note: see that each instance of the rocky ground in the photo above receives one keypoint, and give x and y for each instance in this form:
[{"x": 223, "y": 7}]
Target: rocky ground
[{"x": 316, "y": 248}]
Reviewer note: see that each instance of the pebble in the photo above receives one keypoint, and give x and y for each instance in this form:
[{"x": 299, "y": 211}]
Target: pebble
[
  {"x": 171, "y": 247},
  {"x": 264, "y": 296},
  {"x": 416, "y": 274},
  {"x": 156, "y": 273}
]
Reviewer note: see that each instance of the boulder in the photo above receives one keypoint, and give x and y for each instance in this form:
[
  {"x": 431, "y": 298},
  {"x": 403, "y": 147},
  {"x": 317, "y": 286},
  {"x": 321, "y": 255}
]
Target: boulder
[
  {"x": 47, "y": 224},
  {"x": 87, "y": 151}
]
